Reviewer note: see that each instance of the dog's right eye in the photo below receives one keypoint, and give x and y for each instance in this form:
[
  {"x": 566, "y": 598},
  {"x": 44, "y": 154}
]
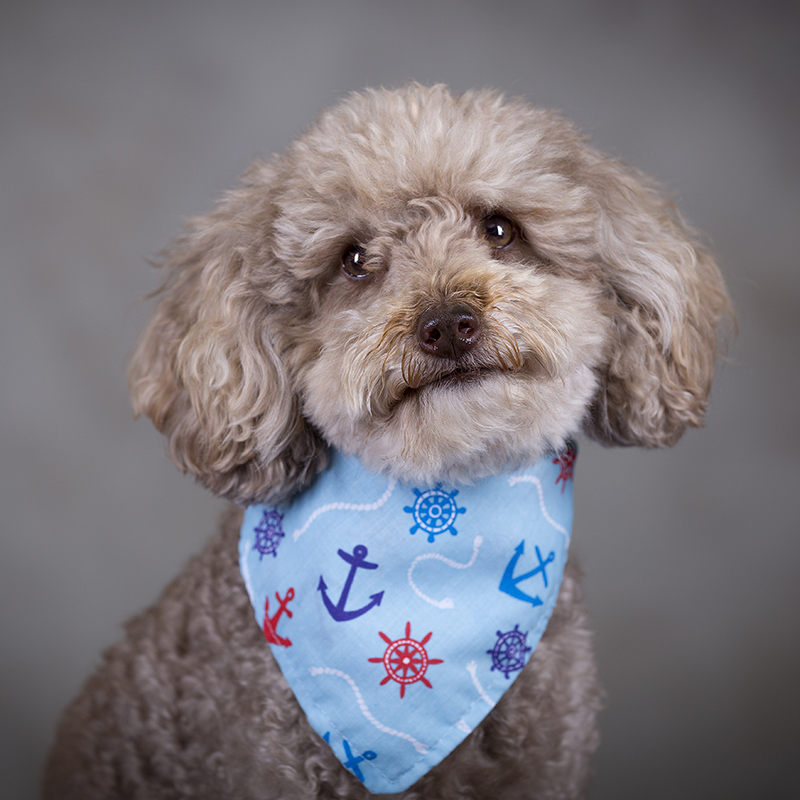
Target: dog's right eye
[
  {"x": 353, "y": 261},
  {"x": 497, "y": 231}
]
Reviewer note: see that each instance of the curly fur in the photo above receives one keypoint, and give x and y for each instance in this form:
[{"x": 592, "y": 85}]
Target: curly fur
[{"x": 601, "y": 315}]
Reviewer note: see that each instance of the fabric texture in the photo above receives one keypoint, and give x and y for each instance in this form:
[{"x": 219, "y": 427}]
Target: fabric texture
[{"x": 400, "y": 614}]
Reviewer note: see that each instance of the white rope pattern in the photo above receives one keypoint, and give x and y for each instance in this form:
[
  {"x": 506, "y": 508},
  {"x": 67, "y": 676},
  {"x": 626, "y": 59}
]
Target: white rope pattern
[
  {"x": 472, "y": 668},
  {"x": 513, "y": 481},
  {"x": 347, "y": 507},
  {"x": 447, "y": 602},
  {"x": 418, "y": 746}
]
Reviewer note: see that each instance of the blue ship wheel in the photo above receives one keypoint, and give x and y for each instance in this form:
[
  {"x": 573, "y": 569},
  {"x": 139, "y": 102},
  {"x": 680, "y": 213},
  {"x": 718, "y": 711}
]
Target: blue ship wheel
[
  {"x": 269, "y": 532},
  {"x": 434, "y": 512},
  {"x": 508, "y": 654}
]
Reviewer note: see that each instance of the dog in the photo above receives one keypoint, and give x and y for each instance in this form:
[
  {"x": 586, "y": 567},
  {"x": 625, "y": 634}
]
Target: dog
[{"x": 442, "y": 289}]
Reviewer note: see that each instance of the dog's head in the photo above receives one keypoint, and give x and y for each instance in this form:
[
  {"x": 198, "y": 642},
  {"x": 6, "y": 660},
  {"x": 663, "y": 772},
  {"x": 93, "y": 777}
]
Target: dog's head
[{"x": 442, "y": 286}]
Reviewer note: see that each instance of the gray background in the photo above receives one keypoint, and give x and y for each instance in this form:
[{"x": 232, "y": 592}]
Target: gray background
[{"x": 118, "y": 120}]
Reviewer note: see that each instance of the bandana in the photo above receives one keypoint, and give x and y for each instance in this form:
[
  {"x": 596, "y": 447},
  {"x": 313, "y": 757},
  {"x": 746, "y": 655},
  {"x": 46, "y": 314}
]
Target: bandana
[{"x": 400, "y": 614}]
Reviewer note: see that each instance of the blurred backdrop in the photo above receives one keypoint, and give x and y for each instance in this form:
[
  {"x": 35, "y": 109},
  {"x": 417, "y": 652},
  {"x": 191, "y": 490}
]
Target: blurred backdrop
[{"x": 118, "y": 120}]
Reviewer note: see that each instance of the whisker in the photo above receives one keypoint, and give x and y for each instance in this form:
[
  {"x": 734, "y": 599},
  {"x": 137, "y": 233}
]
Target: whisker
[{"x": 512, "y": 348}]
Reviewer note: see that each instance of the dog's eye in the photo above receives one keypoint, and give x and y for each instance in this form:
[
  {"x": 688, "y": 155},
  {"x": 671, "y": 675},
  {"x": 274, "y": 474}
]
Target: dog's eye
[
  {"x": 498, "y": 231},
  {"x": 353, "y": 261}
]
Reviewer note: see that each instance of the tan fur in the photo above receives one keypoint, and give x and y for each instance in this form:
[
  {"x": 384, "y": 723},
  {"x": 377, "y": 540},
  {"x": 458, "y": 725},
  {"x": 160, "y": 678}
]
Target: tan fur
[{"x": 262, "y": 353}]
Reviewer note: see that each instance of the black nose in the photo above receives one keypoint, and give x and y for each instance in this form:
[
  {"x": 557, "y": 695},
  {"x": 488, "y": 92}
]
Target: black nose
[{"x": 448, "y": 331}]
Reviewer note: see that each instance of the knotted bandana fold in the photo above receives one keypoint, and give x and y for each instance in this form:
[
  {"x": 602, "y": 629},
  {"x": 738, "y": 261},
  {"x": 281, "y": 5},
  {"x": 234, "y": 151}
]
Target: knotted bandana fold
[{"x": 400, "y": 614}]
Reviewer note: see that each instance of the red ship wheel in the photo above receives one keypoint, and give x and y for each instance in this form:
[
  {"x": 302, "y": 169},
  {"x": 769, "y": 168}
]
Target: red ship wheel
[{"x": 406, "y": 660}]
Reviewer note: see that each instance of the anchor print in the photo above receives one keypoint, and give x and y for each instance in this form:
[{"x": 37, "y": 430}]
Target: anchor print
[
  {"x": 271, "y": 625},
  {"x": 357, "y": 560},
  {"x": 565, "y": 460},
  {"x": 352, "y": 761},
  {"x": 509, "y": 581}
]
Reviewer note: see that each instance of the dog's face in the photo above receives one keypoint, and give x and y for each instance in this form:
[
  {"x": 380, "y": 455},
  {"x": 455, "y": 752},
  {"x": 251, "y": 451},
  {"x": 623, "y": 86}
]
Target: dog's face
[
  {"x": 442, "y": 286},
  {"x": 444, "y": 346}
]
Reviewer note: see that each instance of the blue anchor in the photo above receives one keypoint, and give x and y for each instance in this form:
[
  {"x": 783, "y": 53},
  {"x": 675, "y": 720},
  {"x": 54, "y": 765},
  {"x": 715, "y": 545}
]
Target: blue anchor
[
  {"x": 508, "y": 583},
  {"x": 353, "y": 761},
  {"x": 356, "y": 560}
]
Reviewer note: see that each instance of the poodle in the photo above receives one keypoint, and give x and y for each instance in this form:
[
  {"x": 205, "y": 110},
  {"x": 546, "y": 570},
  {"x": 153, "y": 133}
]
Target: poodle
[{"x": 423, "y": 295}]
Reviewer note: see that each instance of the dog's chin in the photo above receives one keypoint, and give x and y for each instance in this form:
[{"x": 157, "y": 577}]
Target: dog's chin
[
  {"x": 463, "y": 425},
  {"x": 449, "y": 421}
]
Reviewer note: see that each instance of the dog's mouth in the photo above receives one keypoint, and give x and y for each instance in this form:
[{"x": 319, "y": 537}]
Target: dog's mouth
[
  {"x": 460, "y": 376},
  {"x": 421, "y": 376}
]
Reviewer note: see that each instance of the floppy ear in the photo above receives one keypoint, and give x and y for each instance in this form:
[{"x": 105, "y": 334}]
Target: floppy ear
[
  {"x": 667, "y": 300},
  {"x": 209, "y": 368}
]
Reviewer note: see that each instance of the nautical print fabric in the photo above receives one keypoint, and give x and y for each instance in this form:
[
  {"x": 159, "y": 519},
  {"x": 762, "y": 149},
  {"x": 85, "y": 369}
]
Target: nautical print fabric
[{"x": 400, "y": 614}]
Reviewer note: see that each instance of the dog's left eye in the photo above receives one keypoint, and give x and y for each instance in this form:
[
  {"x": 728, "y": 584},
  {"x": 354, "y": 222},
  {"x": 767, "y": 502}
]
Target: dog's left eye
[
  {"x": 353, "y": 261},
  {"x": 498, "y": 231}
]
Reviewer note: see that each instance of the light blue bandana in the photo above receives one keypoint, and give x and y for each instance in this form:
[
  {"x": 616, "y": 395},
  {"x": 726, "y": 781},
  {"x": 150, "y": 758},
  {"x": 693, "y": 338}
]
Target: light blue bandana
[{"x": 400, "y": 614}]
